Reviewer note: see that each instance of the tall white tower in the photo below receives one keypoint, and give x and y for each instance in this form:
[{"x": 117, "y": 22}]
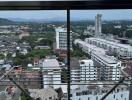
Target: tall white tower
[{"x": 98, "y": 24}]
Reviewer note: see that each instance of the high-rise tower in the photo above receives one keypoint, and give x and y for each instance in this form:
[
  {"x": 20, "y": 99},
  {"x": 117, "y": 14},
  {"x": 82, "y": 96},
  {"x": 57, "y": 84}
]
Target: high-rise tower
[{"x": 98, "y": 24}]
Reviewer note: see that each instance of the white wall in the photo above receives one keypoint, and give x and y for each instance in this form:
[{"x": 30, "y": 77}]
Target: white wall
[
  {"x": 113, "y": 67},
  {"x": 75, "y": 75},
  {"x": 53, "y": 78},
  {"x": 109, "y": 97},
  {"x": 88, "y": 71}
]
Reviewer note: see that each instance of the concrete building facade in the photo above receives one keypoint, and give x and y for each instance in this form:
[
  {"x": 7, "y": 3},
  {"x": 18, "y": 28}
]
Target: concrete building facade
[
  {"x": 88, "y": 48},
  {"x": 108, "y": 67},
  {"x": 88, "y": 70},
  {"x": 96, "y": 92},
  {"x": 121, "y": 50},
  {"x": 98, "y": 24},
  {"x": 51, "y": 73},
  {"x": 82, "y": 70},
  {"x": 61, "y": 38}
]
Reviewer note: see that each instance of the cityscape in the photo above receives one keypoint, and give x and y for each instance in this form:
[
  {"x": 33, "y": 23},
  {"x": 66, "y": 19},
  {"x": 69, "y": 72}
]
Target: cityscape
[{"x": 34, "y": 60}]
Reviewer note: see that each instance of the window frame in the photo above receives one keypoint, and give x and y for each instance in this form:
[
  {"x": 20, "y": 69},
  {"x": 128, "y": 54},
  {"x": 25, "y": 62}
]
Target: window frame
[{"x": 66, "y": 5}]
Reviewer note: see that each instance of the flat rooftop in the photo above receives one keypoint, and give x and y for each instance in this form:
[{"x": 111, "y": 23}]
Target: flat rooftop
[
  {"x": 102, "y": 85},
  {"x": 50, "y": 64},
  {"x": 126, "y": 46},
  {"x": 106, "y": 58},
  {"x": 61, "y": 29},
  {"x": 95, "y": 48}
]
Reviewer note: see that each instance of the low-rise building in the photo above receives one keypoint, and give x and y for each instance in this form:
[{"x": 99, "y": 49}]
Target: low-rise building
[
  {"x": 90, "y": 30},
  {"x": 6, "y": 67},
  {"x": 44, "y": 94},
  {"x": 51, "y": 73},
  {"x": 82, "y": 70},
  {"x": 108, "y": 67},
  {"x": 96, "y": 91},
  {"x": 115, "y": 48},
  {"x": 88, "y": 48},
  {"x": 74, "y": 70},
  {"x": 23, "y": 51},
  {"x": 36, "y": 61},
  {"x": 42, "y": 47},
  {"x": 88, "y": 70},
  {"x": 23, "y": 34}
]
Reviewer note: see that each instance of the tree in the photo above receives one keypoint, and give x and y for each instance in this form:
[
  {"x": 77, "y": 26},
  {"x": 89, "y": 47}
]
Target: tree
[
  {"x": 21, "y": 59},
  {"x": 46, "y": 41},
  {"x": 129, "y": 33},
  {"x": 40, "y": 53},
  {"x": 2, "y": 56},
  {"x": 24, "y": 96},
  {"x": 9, "y": 55},
  {"x": 77, "y": 52}
]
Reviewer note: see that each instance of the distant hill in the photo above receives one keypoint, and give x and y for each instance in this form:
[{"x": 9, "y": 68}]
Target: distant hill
[{"x": 4, "y": 21}]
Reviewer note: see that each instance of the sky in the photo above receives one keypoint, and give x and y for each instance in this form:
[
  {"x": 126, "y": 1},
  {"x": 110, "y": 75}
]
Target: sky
[
  {"x": 34, "y": 14},
  {"x": 106, "y": 14},
  {"x": 75, "y": 14}
]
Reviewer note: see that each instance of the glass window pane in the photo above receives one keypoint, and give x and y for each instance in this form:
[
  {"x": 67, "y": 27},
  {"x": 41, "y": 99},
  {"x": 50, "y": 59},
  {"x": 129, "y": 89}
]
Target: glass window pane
[
  {"x": 33, "y": 52},
  {"x": 101, "y": 53}
]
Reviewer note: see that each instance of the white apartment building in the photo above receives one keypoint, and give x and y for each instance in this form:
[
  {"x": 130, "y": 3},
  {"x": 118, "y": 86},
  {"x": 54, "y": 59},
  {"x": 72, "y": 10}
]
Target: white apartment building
[
  {"x": 51, "y": 73},
  {"x": 61, "y": 38},
  {"x": 88, "y": 70},
  {"x": 122, "y": 50},
  {"x": 82, "y": 70},
  {"x": 108, "y": 66},
  {"x": 96, "y": 92},
  {"x": 88, "y": 48},
  {"x": 74, "y": 70},
  {"x": 75, "y": 75}
]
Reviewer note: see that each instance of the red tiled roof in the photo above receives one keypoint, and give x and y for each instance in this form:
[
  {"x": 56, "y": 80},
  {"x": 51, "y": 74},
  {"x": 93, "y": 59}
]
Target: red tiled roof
[{"x": 36, "y": 59}]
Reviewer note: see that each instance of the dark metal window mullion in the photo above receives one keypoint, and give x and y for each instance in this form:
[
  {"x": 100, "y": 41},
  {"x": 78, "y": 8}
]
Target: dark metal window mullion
[{"x": 68, "y": 51}]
